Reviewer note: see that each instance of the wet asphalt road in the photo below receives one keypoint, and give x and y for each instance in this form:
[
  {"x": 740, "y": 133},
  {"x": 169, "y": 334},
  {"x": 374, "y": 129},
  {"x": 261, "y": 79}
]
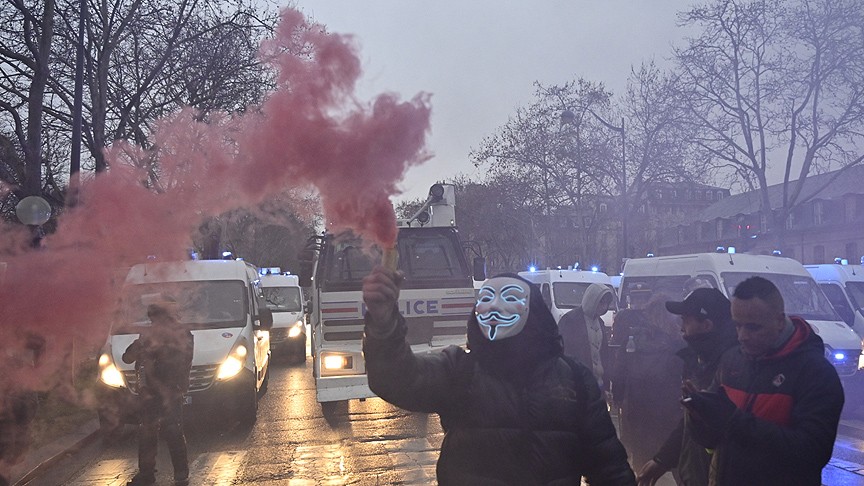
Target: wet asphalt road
[{"x": 295, "y": 443}]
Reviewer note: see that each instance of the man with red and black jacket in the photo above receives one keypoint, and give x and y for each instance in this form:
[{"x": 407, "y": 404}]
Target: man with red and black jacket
[{"x": 773, "y": 417}]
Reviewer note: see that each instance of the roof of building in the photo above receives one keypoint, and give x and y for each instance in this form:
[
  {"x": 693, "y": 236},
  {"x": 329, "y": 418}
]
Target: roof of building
[{"x": 849, "y": 182}]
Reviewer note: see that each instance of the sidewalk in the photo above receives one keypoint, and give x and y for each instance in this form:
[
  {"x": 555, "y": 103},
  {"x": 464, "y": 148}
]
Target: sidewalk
[{"x": 37, "y": 460}]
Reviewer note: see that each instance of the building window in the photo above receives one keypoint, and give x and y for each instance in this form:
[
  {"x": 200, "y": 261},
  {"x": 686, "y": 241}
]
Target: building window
[
  {"x": 818, "y": 212},
  {"x": 719, "y": 228},
  {"x": 818, "y": 254},
  {"x": 603, "y": 207},
  {"x": 675, "y": 193},
  {"x": 790, "y": 221},
  {"x": 709, "y": 195}
]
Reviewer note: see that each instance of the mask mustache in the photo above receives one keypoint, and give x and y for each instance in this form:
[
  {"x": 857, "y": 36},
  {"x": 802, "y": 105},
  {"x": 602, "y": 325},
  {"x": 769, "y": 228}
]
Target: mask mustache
[{"x": 488, "y": 317}]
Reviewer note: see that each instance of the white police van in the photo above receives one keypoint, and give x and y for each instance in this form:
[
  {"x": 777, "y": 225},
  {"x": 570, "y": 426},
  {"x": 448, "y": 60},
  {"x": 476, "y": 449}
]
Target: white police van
[
  {"x": 221, "y": 303},
  {"x": 843, "y": 284},
  {"x": 283, "y": 296},
  {"x": 672, "y": 277},
  {"x": 562, "y": 289}
]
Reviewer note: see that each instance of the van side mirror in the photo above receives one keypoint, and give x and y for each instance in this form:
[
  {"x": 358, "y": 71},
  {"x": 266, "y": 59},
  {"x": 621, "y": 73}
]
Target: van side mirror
[
  {"x": 265, "y": 318},
  {"x": 479, "y": 268}
]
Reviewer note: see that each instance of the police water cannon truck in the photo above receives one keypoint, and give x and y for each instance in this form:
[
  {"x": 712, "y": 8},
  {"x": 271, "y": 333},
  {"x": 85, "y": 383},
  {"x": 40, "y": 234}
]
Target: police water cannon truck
[{"x": 436, "y": 297}]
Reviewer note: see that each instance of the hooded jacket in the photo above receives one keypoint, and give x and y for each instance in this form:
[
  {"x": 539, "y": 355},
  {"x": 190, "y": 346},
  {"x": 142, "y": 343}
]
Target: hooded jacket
[
  {"x": 514, "y": 411},
  {"x": 576, "y": 328},
  {"x": 788, "y": 407}
]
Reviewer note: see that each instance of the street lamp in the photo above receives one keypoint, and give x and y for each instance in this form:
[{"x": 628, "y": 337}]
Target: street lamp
[
  {"x": 33, "y": 211},
  {"x": 567, "y": 118}
]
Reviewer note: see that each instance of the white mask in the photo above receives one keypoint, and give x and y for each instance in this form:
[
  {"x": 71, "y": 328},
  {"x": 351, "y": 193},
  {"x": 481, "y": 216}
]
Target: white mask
[{"x": 502, "y": 307}]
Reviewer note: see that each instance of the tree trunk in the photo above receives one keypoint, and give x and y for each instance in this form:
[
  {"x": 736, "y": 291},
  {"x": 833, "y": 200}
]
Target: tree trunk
[{"x": 35, "y": 98}]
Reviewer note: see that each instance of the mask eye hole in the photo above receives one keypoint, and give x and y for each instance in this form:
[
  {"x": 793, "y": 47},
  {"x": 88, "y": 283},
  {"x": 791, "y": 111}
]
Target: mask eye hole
[{"x": 486, "y": 295}]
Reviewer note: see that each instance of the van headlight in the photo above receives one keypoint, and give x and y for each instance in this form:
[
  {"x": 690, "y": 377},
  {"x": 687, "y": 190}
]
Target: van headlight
[
  {"x": 108, "y": 372},
  {"x": 296, "y": 329},
  {"x": 233, "y": 364}
]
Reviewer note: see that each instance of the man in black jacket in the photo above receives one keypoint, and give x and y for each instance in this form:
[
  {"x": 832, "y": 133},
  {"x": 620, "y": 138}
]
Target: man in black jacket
[
  {"x": 513, "y": 409},
  {"x": 773, "y": 418},
  {"x": 163, "y": 360},
  {"x": 706, "y": 325}
]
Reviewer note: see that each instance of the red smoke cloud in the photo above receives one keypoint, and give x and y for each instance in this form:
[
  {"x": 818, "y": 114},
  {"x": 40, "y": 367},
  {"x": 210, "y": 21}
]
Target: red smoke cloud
[{"x": 311, "y": 131}]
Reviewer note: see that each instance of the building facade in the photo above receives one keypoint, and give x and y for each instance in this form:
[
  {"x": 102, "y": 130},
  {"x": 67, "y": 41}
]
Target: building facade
[{"x": 828, "y": 224}]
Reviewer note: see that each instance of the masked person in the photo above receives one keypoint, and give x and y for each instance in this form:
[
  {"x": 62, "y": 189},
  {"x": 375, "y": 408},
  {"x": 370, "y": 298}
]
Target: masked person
[
  {"x": 706, "y": 325},
  {"x": 513, "y": 409},
  {"x": 163, "y": 360},
  {"x": 772, "y": 415}
]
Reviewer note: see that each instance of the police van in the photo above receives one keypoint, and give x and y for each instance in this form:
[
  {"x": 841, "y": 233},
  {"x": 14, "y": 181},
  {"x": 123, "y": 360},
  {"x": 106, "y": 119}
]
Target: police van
[
  {"x": 562, "y": 289},
  {"x": 284, "y": 298},
  {"x": 221, "y": 303},
  {"x": 673, "y": 277},
  {"x": 843, "y": 284}
]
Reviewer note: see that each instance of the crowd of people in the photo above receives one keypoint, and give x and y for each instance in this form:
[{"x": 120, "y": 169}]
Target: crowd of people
[{"x": 715, "y": 392}]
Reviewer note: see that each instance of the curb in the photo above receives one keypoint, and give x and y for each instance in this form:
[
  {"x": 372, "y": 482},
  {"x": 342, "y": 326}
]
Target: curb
[{"x": 43, "y": 458}]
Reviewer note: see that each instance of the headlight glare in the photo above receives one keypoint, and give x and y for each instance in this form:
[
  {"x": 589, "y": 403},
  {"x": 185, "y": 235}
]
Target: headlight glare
[
  {"x": 111, "y": 376},
  {"x": 229, "y": 368}
]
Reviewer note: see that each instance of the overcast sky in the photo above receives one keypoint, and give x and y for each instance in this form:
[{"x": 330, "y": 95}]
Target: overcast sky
[{"x": 480, "y": 58}]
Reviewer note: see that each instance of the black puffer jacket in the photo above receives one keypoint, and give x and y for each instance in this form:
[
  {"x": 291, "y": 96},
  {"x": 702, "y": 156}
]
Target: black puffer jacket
[
  {"x": 514, "y": 411},
  {"x": 788, "y": 407}
]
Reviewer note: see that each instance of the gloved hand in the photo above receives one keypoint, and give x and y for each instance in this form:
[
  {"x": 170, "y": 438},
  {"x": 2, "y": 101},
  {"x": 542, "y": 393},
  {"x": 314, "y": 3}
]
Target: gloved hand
[
  {"x": 381, "y": 294},
  {"x": 714, "y": 409}
]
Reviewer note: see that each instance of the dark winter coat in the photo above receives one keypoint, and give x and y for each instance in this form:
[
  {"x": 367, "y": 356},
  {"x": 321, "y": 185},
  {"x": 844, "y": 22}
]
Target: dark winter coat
[
  {"x": 513, "y": 411},
  {"x": 646, "y": 386},
  {"x": 701, "y": 359},
  {"x": 788, "y": 407},
  {"x": 163, "y": 359}
]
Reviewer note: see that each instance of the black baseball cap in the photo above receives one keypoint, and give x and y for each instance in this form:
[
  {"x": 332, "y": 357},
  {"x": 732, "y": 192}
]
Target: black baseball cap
[{"x": 704, "y": 303}]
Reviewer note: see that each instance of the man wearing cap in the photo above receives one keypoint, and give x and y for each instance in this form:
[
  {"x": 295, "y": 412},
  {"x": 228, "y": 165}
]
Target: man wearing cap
[
  {"x": 706, "y": 325},
  {"x": 163, "y": 360},
  {"x": 772, "y": 415}
]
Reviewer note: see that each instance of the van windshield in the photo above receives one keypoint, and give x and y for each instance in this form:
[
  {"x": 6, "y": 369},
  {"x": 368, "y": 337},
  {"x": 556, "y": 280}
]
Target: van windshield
[
  {"x": 568, "y": 295},
  {"x": 800, "y": 294},
  {"x": 282, "y": 299},
  {"x": 428, "y": 258},
  {"x": 202, "y": 304},
  {"x": 856, "y": 294}
]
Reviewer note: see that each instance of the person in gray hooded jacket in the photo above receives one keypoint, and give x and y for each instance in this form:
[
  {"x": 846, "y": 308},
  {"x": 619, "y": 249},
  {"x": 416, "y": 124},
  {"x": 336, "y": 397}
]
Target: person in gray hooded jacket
[
  {"x": 584, "y": 333},
  {"x": 513, "y": 409}
]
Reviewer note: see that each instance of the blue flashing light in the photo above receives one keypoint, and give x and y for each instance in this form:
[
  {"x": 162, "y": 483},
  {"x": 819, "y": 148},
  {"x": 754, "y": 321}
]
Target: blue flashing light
[
  {"x": 194, "y": 255},
  {"x": 650, "y": 255},
  {"x": 777, "y": 253},
  {"x": 720, "y": 249},
  {"x": 226, "y": 254},
  {"x": 731, "y": 250},
  {"x": 839, "y": 356},
  {"x": 532, "y": 268},
  {"x": 576, "y": 266},
  {"x": 595, "y": 269}
]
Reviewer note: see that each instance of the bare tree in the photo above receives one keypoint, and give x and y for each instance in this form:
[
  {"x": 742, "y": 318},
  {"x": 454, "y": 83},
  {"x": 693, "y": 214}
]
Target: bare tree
[
  {"x": 777, "y": 87},
  {"x": 25, "y": 48},
  {"x": 555, "y": 170}
]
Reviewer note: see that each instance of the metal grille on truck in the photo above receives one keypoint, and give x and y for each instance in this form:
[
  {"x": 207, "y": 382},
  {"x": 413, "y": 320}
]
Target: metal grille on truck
[{"x": 200, "y": 378}]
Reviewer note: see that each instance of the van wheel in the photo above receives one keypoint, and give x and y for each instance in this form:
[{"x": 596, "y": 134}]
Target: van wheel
[{"x": 249, "y": 411}]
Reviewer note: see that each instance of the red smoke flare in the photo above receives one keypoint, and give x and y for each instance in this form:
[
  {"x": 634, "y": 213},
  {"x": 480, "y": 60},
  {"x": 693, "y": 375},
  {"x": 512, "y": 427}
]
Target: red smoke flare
[{"x": 309, "y": 131}]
